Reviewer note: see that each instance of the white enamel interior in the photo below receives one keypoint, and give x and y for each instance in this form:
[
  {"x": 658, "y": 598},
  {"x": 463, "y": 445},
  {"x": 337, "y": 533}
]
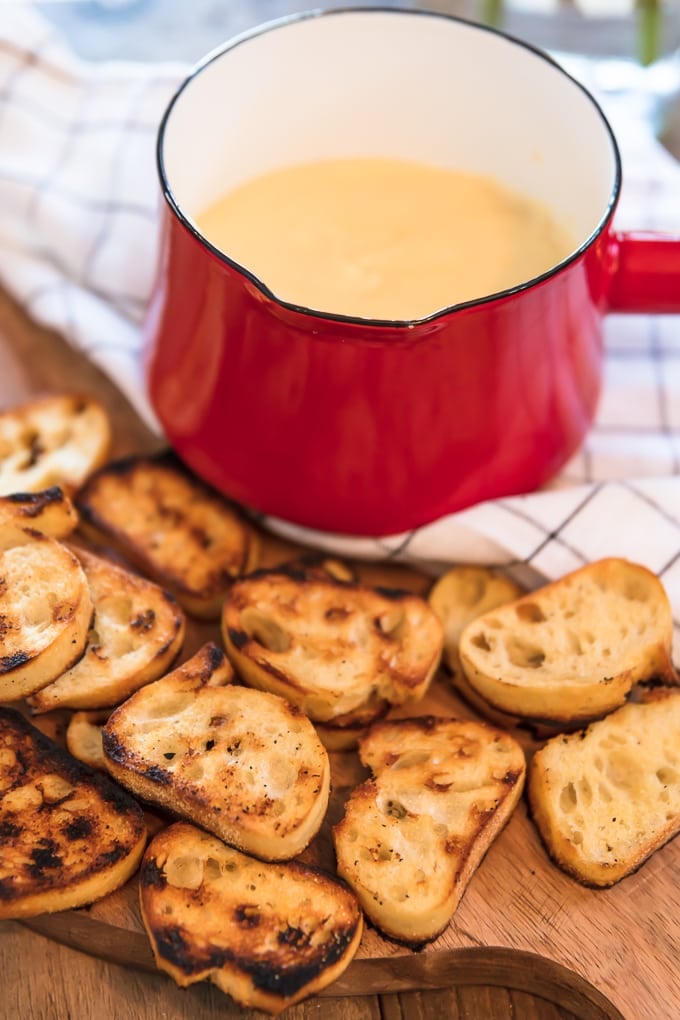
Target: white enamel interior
[{"x": 389, "y": 83}]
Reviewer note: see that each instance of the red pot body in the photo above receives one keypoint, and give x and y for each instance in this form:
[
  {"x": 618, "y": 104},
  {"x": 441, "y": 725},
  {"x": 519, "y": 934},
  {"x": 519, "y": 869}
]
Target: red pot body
[
  {"x": 346, "y": 426},
  {"x": 374, "y": 428}
]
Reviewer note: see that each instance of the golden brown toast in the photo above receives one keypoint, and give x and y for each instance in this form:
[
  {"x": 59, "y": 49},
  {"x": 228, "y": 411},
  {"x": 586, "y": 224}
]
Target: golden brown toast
[
  {"x": 269, "y": 935},
  {"x": 136, "y": 634},
  {"x": 69, "y": 835},
  {"x": 413, "y": 835},
  {"x": 573, "y": 649},
  {"x": 330, "y": 647},
  {"x": 53, "y": 440},
  {"x": 245, "y": 765},
  {"x": 604, "y": 800},
  {"x": 461, "y": 595},
  {"x": 84, "y": 737},
  {"x": 172, "y": 527},
  {"x": 25, "y": 514},
  {"x": 45, "y": 614}
]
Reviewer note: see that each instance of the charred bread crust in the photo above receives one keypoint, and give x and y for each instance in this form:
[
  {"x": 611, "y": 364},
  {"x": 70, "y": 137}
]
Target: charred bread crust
[
  {"x": 53, "y": 440},
  {"x": 243, "y": 764},
  {"x": 69, "y": 835},
  {"x": 573, "y": 649},
  {"x": 173, "y": 527},
  {"x": 45, "y": 614},
  {"x": 606, "y": 798},
  {"x": 136, "y": 634},
  {"x": 330, "y": 647},
  {"x": 413, "y": 835},
  {"x": 269, "y": 935}
]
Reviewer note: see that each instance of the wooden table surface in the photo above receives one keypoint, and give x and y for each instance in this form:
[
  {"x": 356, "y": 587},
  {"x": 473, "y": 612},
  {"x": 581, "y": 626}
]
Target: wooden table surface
[{"x": 45, "y": 980}]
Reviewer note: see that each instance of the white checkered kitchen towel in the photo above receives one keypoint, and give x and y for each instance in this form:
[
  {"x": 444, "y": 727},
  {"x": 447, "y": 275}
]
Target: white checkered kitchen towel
[{"x": 78, "y": 240}]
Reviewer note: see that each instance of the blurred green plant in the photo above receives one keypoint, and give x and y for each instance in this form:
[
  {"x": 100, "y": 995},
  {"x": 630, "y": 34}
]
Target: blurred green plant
[{"x": 648, "y": 17}]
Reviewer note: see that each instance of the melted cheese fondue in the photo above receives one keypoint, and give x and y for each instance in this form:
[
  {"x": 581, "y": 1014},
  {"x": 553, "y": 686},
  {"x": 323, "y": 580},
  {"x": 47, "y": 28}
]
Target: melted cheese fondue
[{"x": 382, "y": 238}]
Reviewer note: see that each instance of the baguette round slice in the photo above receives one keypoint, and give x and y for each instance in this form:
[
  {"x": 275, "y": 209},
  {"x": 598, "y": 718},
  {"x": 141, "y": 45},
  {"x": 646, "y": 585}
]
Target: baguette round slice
[
  {"x": 69, "y": 835},
  {"x": 84, "y": 738},
  {"x": 412, "y": 836},
  {"x": 331, "y": 648},
  {"x": 573, "y": 649},
  {"x": 45, "y": 614},
  {"x": 461, "y": 595},
  {"x": 137, "y": 632},
  {"x": 54, "y": 440},
  {"x": 23, "y": 514},
  {"x": 606, "y": 799},
  {"x": 243, "y": 764},
  {"x": 169, "y": 525},
  {"x": 268, "y": 935}
]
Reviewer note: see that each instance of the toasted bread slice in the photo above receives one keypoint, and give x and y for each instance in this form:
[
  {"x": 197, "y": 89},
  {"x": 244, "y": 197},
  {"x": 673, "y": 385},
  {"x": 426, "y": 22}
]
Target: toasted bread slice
[
  {"x": 461, "y": 595},
  {"x": 573, "y": 649},
  {"x": 54, "y": 440},
  {"x": 413, "y": 835},
  {"x": 171, "y": 526},
  {"x": 136, "y": 634},
  {"x": 268, "y": 935},
  {"x": 243, "y": 764},
  {"x": 344, "y": 731},
  {"x": 45, "y": 613},
  {"x": 84, "y": 738},
  {"x": 69, "y": 835},
  {"x": 327, "y": 646},
  {"x": 604, "y": 800},
  {"x": 25, "y": 514}
]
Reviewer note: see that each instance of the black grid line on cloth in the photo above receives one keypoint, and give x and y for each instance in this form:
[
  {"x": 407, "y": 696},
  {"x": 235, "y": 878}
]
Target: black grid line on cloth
[
  {"x": 653, "y": 503},
  {"x": 112, "y": 208},
  {"x": 88, "y": 203},
  {"x": 552, "y": 534},
  {"x": 28, "y": 59},
  {"x": 658, "y": 358},
  {"x": 127, "y": 305},
  {"x": 54, "y": 121}
]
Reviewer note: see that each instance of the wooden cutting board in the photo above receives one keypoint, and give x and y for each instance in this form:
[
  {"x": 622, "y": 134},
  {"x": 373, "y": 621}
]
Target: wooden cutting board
[
  {"x": 521, "y": 924},
  {"x": 624, "y": 941}
]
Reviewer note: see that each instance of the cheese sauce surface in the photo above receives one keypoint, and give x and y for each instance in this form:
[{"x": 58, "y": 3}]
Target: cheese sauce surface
[{"x": 383, "y": 238}]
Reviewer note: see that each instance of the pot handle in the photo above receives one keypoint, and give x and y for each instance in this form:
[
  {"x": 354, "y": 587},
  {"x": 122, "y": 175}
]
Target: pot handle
[{"x": 645, "y": 272}]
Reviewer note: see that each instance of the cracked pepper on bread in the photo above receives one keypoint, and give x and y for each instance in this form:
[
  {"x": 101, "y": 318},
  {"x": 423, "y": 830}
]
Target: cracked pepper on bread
[
  {"x": 267, "y": 934},
  {"x": 53, "y": 440},
  {"x": 168, "y": 524},
  {"x": 413, "y": 835},
  {"x": 69, "y": 835},
  {"x": 246, "y": 765},
  {"x": 136, "y": 634},
  {"x": 604, "y": 800},
  {"x": 573, "y": 649},
  {"x": 338, "y": 650}
]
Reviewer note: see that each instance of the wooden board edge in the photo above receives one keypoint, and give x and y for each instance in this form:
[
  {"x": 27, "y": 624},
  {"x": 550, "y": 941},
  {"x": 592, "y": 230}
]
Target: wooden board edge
[{"x": 489, "y": 966}]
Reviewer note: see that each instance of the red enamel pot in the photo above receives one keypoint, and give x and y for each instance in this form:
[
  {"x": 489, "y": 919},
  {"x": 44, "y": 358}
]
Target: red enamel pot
[{"x": 374, "y": 427}]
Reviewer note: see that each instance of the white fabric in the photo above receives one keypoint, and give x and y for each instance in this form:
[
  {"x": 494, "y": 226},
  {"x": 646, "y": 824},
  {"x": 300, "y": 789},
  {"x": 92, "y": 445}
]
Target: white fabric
[{"x": 78, "y": 245}]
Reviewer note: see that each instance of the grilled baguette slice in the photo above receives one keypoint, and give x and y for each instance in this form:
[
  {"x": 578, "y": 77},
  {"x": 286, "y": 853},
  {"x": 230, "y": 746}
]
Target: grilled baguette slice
[
  {"x": 573, "y": 649},
  {"x": 45, "y": 613},
  {"x": 69, "y": 835},
  {"x": 243, "y": 764},
  {"x": 171, "y": 526},
  {"x": 461, "y": 595},
  {"x": 413, "y": 835},
  {"x": 84, "y": 738},
  {"x": 25, "y": 514},
  {"x": 268, "y": 935},
  {"x": 53, "y": 440},
  {"x": 605, "y": 799},
  {"x": 136, "y": 634},
  {"x": 330, "y": 647}
]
